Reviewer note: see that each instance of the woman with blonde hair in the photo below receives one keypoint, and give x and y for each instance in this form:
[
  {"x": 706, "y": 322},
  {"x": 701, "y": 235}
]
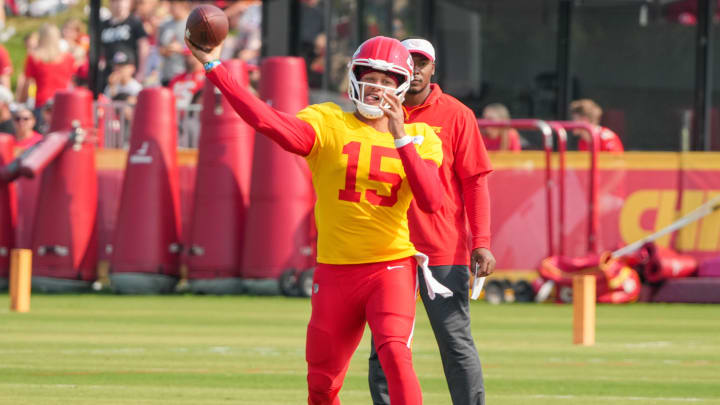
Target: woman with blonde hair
[
  {"x": 499, "y": 138},
  {"x": 48, "y": 66},
  {"x": 589, "y": 112}
]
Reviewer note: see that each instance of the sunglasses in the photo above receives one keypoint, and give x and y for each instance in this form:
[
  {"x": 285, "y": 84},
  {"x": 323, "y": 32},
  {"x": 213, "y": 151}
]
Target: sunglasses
[{"x": 23, "y": 118}]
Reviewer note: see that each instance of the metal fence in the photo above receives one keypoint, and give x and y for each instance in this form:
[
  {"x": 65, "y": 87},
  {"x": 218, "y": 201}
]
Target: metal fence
[{"x": 116, "y": 117}]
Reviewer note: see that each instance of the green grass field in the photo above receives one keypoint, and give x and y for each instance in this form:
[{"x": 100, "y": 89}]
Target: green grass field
[{"x": 106, "y": 349}]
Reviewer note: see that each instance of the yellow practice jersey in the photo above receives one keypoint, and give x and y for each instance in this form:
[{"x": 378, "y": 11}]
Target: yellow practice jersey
[{"x": 362, "y": 193}]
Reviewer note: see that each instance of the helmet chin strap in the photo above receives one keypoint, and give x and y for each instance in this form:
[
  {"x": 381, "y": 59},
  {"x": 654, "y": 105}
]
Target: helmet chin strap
[{"x": 368, "y": 111}]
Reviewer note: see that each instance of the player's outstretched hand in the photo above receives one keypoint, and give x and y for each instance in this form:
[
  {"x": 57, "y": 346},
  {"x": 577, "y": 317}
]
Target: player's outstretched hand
[
  {"x": 395, "y": 113},
  {"x": 482, "y": 260},
  {"x": 203, "y": 56}
]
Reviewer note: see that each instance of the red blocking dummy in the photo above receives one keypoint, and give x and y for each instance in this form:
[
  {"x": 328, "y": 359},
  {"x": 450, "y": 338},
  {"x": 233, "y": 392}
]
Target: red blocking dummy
[
  {"x": 222, "y": 186},
  {"x": 281, "y": 198},
  {"x": 8, "y": 209},
  {"x": 70, "y": 106},
  {"x": 43, "y": 153},
  {"x": 77, "y": 105},
  {"x": 147, "y": 234},
  {"x": 64, "y": 237}
]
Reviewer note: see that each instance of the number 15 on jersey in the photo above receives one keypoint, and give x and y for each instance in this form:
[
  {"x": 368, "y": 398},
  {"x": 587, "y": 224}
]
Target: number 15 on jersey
[{"x": 377, "y": 153}]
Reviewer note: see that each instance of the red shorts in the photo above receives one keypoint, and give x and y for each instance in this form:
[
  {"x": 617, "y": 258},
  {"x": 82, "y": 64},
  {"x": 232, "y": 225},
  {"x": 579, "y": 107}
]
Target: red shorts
[{"x": 344, "y": 298}]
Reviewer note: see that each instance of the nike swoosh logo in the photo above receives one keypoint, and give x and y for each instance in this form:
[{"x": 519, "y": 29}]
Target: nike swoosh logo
[{"x": 394, "y": 267}]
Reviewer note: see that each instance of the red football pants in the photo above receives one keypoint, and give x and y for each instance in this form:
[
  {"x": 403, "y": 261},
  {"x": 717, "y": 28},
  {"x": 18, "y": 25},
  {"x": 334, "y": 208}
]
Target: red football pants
[{"x": 344, "y": 298}]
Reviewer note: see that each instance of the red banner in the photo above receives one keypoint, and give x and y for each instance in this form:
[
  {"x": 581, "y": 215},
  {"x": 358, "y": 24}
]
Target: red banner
[{"x": 639, "y": 194}]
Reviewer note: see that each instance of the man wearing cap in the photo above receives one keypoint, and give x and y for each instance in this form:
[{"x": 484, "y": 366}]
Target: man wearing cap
[
  {"x": 443, "y": 234},
  {"x": 121, "y": 82}
]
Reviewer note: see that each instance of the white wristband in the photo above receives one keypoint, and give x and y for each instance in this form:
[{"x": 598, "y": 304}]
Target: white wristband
[{"x": 399, "y": 143}]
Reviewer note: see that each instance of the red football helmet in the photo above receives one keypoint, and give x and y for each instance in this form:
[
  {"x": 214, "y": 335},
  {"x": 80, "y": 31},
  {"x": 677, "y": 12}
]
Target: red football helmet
[{"x": 383, "y": 54}]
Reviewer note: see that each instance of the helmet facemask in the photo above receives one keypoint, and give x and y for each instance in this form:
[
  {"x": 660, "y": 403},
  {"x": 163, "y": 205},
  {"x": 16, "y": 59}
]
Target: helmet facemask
[{"x": 356, "y": 91}]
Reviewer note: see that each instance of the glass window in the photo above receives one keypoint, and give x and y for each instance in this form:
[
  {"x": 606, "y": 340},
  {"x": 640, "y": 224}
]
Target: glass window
[
  {"x": 342, "y": 41},
  {"x": 639, "y": 66},
  {"x": 376, "y": 18},
  {"x": 514, "y": 60},
  {"x": 312, "y": 39},
  {"x": 458, "y": 49},
  {"x": 404, "y": 19}
]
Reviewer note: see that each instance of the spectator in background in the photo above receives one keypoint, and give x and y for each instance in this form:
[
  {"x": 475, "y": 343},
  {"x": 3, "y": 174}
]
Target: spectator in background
[
  {"x": 187, "y": 88},
  {"x": 588, "y": 111},
  {"x": 49, "y": 67},
  {"x": 123, "y": 31},
  {"x": 6, "y": 31},
  {"x": 6, "y": 99},
  {"x": 499, "y": 138},
  {"x": 398, "y": 27},
  {"x": 171, "y": 42},
  {"x": 153, "y": 64},
  {"x": 186, "y": 85},
  {"x": 25, "y": 135},
  {"x": 5, "y": 67},
  {"x": 76, "y": 42},
  {"x": 316, "y": 67},
  {"x": 46, "y": 116},
  {"x": 312, "y": 25},
  {"x": 31, "y": 41},
  {"x": 121, "y": 83},
  {"x": 145, "y": 11},
  {"x": 246, "y": 18}
]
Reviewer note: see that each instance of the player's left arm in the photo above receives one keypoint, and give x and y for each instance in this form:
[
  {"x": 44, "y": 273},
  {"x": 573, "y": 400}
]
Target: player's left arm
[
  {"x": 422, "y": 175},
  {"x": 472, "y": 166}
]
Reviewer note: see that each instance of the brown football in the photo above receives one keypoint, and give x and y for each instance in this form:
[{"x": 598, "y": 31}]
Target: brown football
[{"x": 206, "y": 27}]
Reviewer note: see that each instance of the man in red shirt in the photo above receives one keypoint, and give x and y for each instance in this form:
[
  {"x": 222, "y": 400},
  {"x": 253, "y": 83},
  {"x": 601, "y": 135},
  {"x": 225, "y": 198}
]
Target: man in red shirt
[
  {"x": 588, "y": 111},
  {"x": 185, "y": 85},
  {"x": 443, "y": 236}
]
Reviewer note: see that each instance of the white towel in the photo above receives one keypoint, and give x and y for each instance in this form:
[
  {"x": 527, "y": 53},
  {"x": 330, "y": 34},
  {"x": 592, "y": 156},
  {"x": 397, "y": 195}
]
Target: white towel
[
  {"x": 477, "y": 287},
  {"x": 433, "y": 286}
]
